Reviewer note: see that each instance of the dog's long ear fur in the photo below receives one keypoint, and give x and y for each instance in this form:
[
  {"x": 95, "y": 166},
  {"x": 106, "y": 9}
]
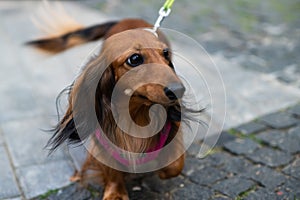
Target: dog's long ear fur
[{"x": 88, "y": 95}]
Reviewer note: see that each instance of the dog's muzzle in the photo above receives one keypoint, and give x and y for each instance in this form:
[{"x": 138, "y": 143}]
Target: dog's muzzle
[{"x": 174, "y": 91}]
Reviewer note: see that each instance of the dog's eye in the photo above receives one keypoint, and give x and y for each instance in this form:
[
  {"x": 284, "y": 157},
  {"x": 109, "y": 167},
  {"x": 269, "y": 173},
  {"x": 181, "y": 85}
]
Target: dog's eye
[
  {"x": 166, "y": 53},
  {"x": 135, "y": 60},
  {"x": 167, "y": 56}
]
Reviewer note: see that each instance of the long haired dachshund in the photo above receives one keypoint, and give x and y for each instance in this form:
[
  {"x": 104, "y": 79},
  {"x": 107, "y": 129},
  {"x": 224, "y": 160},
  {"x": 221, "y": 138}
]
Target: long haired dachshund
[{"x": 125, "y": 47}]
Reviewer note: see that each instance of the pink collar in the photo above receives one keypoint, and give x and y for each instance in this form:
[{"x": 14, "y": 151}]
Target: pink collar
[{"x": 150, "y": 155}]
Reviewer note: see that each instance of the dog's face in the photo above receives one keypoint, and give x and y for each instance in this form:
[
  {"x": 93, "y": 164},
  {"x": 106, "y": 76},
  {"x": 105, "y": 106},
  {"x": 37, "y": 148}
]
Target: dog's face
[{"x": 150, "y": 58}]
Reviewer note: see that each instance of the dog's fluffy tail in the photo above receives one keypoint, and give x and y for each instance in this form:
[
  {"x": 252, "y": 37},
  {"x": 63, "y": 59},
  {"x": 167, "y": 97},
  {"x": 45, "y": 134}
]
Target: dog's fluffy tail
[
  {"x": 63, "y": 31},
  {"x": 68, "y": 40}
]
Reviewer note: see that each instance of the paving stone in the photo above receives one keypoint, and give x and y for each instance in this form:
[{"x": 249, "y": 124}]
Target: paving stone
[
  {"x": 295, "y": 132},
  {"x": 272, "y": 137},
  {"x": 220, "y": 198},
  {"x": 213, "y": 160},
  {"x": 288, "y": 195},
  {"x": 1, "y": 137},
  {"x": 192, "y": 164},
  {"x": 241, "y": 146},
  {"x": 261, "y": 194},
  {"x": 17, "y": 102},
  {"x": 292, "y": 187},
  {"x": 224, "y": 138},
  {"x": 192, "y": 192},
  {"x": 218, "y": 159},
  {"x": 155, "y": 184},
  {"x": 15, "y": 198},
  {"x": 193, "y": 150},
  {"x": 270, "y": 157},
  {"x": 266, "y": 176},
  {"x": 26, "y": 142},
  {"x": 8, "y": 184},
  {"x": 293, "y": 169},
  {"x": 278, "y": 120},
  {"x": 38, "y": 179},
  {"x": 207, "y": 176},
  {"x": 288, "y": 142},
  {"x": 295, "y": 110},
  {"x": 251, "y": 127},
  {"x": 63, "y": 193},
  {"x": 289, "y": 190},
  {"x": 147, "y": 195},
  {"x": 237, "y": 165},
  {"x": 233, "y": 186},
  {"x": 74, "y": 191}
]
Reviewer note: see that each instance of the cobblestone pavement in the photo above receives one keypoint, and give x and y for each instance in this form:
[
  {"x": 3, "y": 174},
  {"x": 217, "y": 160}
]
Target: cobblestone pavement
[
  {"x": 257, "y": 160},
  {"x": 254, "y": 160}
]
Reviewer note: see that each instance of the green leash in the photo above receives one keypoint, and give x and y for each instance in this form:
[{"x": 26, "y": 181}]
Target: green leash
[
  {"x": 168, "y": 4},
  {"x": 163, "y": 12}
]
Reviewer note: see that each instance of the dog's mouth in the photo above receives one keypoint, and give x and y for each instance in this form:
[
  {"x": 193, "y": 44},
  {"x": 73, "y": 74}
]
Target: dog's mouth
[
  {"x": 148, "y": 101},
  {"x": 142, "y": 97},
  {"x": 173, "y": 107}
]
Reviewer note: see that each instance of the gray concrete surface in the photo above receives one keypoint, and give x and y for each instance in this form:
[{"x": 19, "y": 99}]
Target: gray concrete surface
[{"x": 30, "y": 82}]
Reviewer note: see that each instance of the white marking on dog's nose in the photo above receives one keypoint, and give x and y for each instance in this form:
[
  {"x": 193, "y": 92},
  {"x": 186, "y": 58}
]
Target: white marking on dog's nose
[{"x": 128, "y": 92}]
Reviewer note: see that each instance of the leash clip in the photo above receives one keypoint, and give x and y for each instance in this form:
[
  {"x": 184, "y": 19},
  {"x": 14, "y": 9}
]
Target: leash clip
[{"x": 163, "y": 12}]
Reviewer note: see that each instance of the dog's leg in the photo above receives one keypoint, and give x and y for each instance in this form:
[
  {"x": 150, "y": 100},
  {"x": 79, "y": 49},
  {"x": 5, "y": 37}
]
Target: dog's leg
[
  {"x": 90, "y": 163},
  {"x": 174, "y": 169},
  {"x": 114, "y": 185},
  {"x": 113, "y": 180}
]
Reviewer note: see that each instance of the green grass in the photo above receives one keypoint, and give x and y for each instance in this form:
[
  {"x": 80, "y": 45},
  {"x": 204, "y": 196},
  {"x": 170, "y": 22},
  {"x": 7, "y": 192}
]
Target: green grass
[
  {"x": 234, "y": 132},
  {"x": 47, "y": 194},
  {"x": 245, "y": 193},
  {"x": 255, "y": 139},
  {"x": 215, "y": 150},
  {"x": 251, "y": 136}
]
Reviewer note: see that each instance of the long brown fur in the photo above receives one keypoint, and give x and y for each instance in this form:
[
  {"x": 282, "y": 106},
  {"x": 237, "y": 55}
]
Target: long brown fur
[{"x": 119, "y": 37}]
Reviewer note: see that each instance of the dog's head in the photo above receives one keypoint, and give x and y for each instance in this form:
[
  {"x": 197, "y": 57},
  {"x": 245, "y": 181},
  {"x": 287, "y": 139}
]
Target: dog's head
[
  {"x": 140, "y": 51},
  {"x": 150, "y": 58}
]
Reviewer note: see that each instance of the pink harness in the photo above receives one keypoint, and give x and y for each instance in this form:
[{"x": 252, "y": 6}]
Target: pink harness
[{"x": 152, "y": 153}]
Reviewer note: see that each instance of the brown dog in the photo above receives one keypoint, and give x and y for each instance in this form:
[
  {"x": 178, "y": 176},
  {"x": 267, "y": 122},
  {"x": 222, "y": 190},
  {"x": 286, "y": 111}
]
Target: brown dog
[{"x": 124, "y": 48}]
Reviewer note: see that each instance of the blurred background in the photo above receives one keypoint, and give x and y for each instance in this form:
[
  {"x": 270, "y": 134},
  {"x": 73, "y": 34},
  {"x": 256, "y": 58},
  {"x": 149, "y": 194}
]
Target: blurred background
[{"x": 259, "y": 35}]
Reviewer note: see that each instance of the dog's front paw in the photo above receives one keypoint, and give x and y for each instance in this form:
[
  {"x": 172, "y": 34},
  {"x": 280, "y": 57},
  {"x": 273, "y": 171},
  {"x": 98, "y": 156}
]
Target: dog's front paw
[
  {"x": 115, "y": 196},
  {"x": 172, "y": 170},
  {"x": 115, "y": 191},
  {"x": 168, "y": 173},
  {"x": 76, "y": 177}
]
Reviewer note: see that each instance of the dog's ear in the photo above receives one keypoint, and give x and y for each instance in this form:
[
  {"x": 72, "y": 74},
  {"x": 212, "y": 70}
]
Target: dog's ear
[
  {"x": 89, "y": 104},
  {"x": 64, "y": 130},
  {"x": 103, "y": 95}
]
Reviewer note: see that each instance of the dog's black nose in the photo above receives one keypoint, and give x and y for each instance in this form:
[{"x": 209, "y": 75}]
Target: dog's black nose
[{"x": 174, "y": 91}]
